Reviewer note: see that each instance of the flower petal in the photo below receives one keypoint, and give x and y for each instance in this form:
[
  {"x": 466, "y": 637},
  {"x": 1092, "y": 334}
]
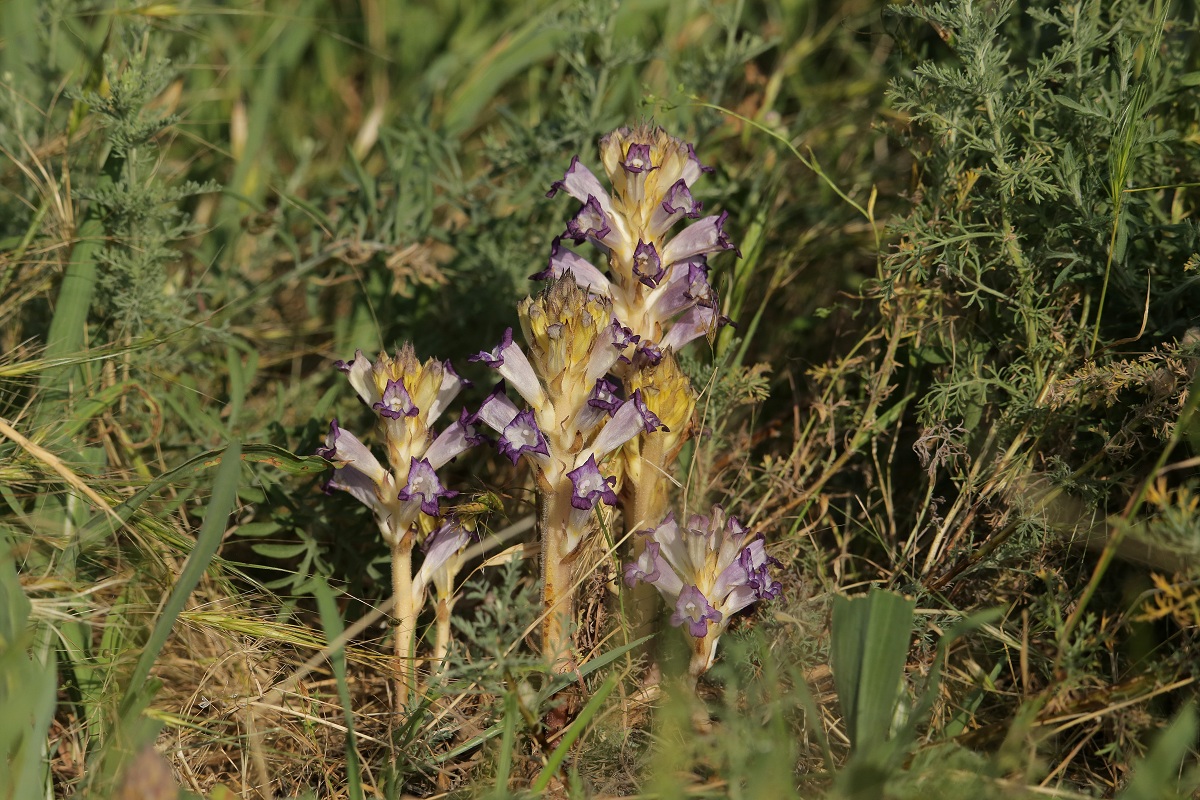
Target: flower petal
[
  {"x": 462, "y": 434},
  {"x": 509, "y": 360},
  {"x": 589, "y": 486},
  {"x": 497, "y": 410},
  {"x": 424, "y": 486},
  {"x": 580, "y": 183},
  {"x": 396, "y": 402},
  {"x": 522, "y": 436},
  {"x": 629, "y": 420},
  {"x": 706, "y": 236},
  {"x": 564, "y": 260},
  {"x": 452, "y": 384},
  {"x": 693, "y": 608},
  {"x": 360, "y": 374}
]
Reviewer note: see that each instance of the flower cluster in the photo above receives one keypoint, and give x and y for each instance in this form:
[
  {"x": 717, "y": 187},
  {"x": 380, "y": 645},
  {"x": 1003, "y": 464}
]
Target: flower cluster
[
  {"x": 707, "y": 570},
  {"x": 573, "y": 422},
  {"x": 658, "y": 284},
  {"x": 408, "y": 398},
  {"x": 599, "y": 411}
]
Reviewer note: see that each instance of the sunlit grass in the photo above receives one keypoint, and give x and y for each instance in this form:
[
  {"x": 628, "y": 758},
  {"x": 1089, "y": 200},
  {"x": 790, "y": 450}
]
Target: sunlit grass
[{"x": 963, "y": 373}]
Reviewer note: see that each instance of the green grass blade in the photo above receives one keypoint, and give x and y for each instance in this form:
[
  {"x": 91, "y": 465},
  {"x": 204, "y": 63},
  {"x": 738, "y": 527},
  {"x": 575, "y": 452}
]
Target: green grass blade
[
  {"x": 868, "y": 649},
  {"x": 216, "y": 518},
  {"x": 573, "y": 733},
  {"x": 331, "y": 621},
  {"x": 1157, "y": 775},
  {"x": 66, "y": 333}
]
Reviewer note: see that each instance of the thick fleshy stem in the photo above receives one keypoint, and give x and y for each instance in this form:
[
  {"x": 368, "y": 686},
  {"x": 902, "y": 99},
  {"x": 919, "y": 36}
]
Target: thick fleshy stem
[
  {"x": 404, "y": 613},
  {"x": 645, "y": 503},
  {"x": 441, "y": 642},
  {"x": 558, "y": 593}
]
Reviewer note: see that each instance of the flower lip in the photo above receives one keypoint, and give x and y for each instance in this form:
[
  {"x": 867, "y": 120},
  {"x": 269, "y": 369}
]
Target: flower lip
[
  {"x": 495, "y": 356},
  {"x": 604, "y": 396},
  {"x": 647, "y": 266},
  {"x": 650, "y": 422},
  {"x": 590, "y": 223},
  {"x": 329, "y": 450},
  {"x": 693, "y": 608},
  {"x": 679, "y": 199},
  {"x": 637, "y": 159},
  {"x": 645, "y": 568},
  {"x": 424, "y": 485},
  {"x": 589, "y": 486},
  {"x": 469, "y": 421},
  {"x": 623, "y": 336},
  {"x": 521, "y": 436}
]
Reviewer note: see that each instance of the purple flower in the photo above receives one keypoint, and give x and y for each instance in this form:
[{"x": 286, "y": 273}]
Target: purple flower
[
  {"x": 510, "y": 361},
  {"x": 693, "y": 608},
  {"x": 604, "y": 396},
  {"x": 423, "y": 485},
  {"x": 709, "y": 570},
  {"x": 522, "y": 436},
  {"x": 357, "y": 471},
  {"x": 564, "y": 260},
  {"x": 632, "y": 418},
  {"x": 677, "y": 204},
  {"x": 647, "y": 266},
  {"x": 706, "y": 236},
  {"x": 579, "y": 182},
  {"x": 638, "y": 159},
  {"x": 460, "y": 435},
  {"x": 645, "y": 567},
  {"x": 589, "y": 486},
  {"x": 590, "y": 223}
]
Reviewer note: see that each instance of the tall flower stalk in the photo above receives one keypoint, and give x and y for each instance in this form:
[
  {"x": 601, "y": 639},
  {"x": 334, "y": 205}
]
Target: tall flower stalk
[
  {"x": 407, "y": 397},
  {"x": 572, "y": 424},
  {"x": 658, "y": 283}
]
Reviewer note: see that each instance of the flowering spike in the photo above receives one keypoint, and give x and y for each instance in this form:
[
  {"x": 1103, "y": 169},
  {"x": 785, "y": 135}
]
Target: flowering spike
[{"x": 715, "y": 567}]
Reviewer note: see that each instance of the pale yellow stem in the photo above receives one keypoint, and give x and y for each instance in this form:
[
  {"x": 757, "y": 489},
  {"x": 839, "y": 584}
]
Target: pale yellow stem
[{"x": 405, "y": 616}]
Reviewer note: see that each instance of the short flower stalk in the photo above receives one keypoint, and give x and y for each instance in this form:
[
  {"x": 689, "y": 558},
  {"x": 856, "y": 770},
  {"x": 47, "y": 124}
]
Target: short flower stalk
[
  {"x": 407, "y": 397},
  {"x": 707, "y": 570}
]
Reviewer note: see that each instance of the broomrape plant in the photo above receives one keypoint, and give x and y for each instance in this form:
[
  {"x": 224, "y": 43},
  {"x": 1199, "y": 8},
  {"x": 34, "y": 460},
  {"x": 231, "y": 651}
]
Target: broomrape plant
[
  {"x": 407, "y": 398},
  {"x": 604, "y": 413}
]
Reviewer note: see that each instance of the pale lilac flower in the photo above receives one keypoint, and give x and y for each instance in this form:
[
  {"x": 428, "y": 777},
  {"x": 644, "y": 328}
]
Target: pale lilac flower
[
  {"x": 407, "y": 398},
  {"x": 707, "y": 570},
  {"x": 589, "y": 487}
]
